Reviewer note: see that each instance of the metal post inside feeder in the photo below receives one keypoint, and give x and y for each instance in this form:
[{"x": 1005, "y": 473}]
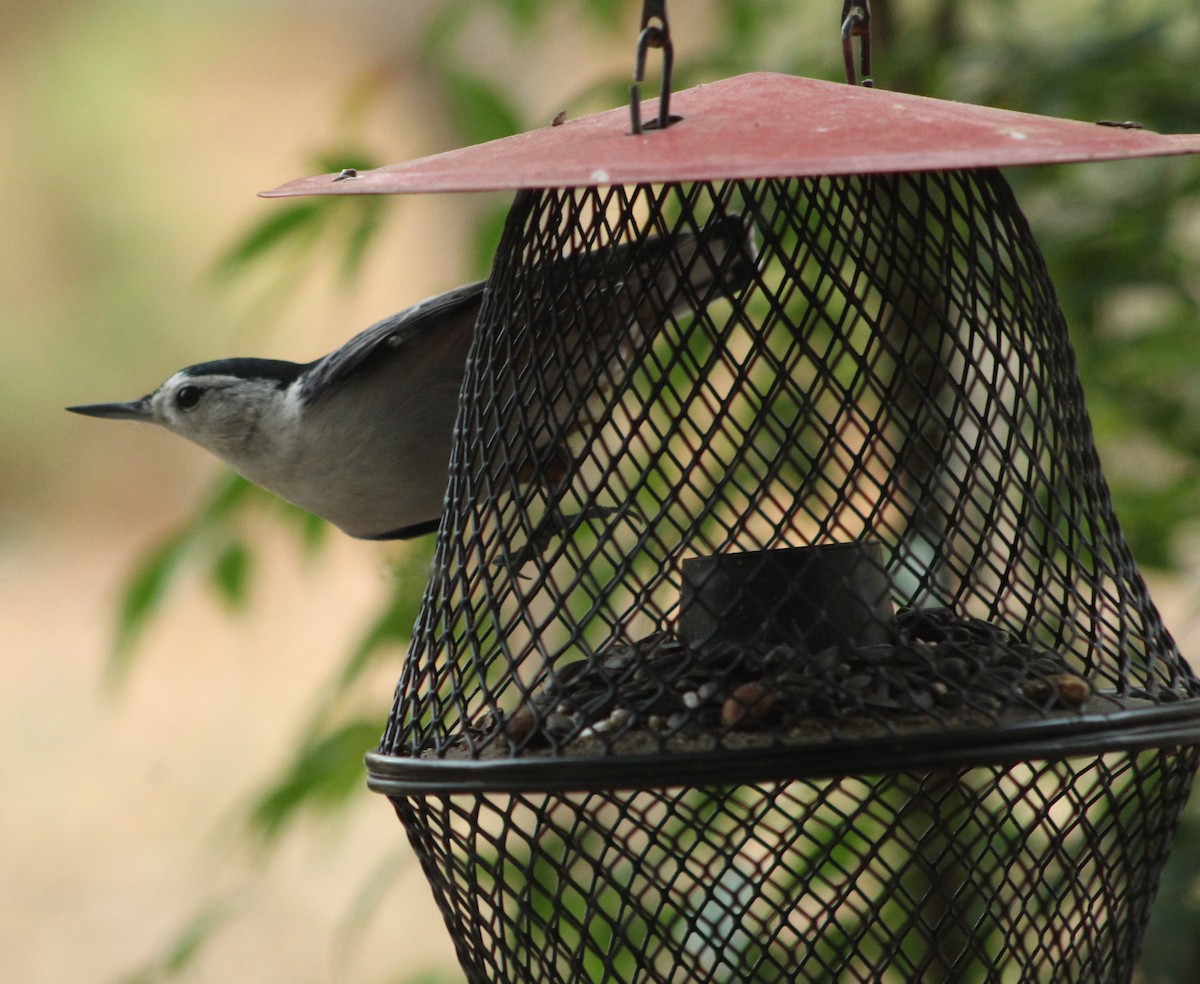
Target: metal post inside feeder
[
  {"x": 835, "y": 595},
  {"x": 780, "y": 627}
]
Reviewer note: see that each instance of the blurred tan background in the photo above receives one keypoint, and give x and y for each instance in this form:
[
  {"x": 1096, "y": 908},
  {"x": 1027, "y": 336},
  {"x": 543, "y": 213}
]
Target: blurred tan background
[{"x": 133, "y": 137}]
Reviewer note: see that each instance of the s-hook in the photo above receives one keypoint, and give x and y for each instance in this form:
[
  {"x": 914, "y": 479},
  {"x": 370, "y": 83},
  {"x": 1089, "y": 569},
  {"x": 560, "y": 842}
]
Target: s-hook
[
  {"x": 655, "y": 33},
  {"x": 856, "y": 23}
]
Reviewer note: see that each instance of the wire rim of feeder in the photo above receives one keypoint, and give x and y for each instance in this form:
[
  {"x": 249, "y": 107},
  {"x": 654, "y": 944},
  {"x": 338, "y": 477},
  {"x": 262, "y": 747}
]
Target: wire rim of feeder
[{"x": 1045, "y": 739}]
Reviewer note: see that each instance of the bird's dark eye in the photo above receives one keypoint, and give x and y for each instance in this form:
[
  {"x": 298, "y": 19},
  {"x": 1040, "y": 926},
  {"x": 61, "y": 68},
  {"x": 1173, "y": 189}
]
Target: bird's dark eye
[{"x": 188, "y": 397}]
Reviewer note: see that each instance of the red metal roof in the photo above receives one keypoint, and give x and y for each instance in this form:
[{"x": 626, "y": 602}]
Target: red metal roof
[{"x": 759, "y": 125}]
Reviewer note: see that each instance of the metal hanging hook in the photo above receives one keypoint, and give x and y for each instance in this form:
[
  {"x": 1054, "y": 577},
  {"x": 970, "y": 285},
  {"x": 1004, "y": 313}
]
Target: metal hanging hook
[
  {"x": 856, "y": 23},
  {"x": 655, "y": 33}
]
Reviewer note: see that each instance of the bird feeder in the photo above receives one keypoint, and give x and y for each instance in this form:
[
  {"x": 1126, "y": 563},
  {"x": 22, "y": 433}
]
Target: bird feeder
[{"x": 780, "y": 627}]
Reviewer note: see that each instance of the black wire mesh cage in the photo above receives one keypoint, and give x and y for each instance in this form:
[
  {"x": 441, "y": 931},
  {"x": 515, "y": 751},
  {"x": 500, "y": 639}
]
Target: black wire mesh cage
[
  {"x": 1037, "y": 871},
  {"x": 780, "y": 626},
  {"x": 760, "y": 466}
]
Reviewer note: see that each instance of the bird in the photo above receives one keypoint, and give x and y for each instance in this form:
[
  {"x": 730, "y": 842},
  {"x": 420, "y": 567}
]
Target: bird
[{"x": 362, "y": 437}]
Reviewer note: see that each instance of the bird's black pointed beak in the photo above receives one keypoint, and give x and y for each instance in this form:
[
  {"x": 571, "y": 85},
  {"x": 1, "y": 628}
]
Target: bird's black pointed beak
[{"x": 133, "y": 410}]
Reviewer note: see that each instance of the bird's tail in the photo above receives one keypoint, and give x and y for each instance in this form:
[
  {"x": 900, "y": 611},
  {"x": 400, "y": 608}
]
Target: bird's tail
[
  {"x": 598, "y": 310},
  {"x": 717, "y": 261},
  {"x": 591, "y": 311},
  {"x": 680, "y": 271}
]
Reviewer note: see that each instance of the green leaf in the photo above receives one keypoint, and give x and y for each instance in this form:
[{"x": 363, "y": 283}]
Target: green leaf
[
  {"x": 227, "y": 495},
  {"x": 480, "y": 111},
  {"x": 488, "y": 228},
  {"x": 351, "y": 222},
  {"x": 311, "y": 530},
  {"x": 391, "y": 628},
  {"x": 442, "y": 30},
  {"x": 194, "y": 935},
  {"x": 231, "y": 574},
  {"x": 153, "y": 575},
  {"x": 141, "y": 597},
  {"x": 366, "y": 221},
  {"x": 283, "y": 226},
  {"x": 526, "y": 13},
  {"x": 607, "y": 13},
  {"x": 325, "y": 772},
  {"x": 184, "y": 949}
]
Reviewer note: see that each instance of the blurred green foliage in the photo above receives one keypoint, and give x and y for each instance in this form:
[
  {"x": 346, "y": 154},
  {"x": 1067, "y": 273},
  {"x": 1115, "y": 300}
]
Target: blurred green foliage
[
  {"x": 187, "y": 945},
  {"x": 1122, "y": 242}
]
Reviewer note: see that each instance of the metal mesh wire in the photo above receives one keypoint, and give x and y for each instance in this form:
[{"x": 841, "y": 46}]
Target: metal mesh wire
[
  {"x": 1033, "y": 872},
  {"x": 870, "y": 368},
  {"x": 774, "y": 524}
]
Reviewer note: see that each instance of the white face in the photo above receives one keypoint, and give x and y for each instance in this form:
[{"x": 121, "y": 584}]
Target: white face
[{"x": 223, "y": 414}]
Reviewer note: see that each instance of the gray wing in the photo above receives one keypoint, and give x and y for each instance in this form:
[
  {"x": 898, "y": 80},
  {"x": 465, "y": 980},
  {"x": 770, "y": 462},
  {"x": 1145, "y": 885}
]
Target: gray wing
[{"x": 388, "y": 338}]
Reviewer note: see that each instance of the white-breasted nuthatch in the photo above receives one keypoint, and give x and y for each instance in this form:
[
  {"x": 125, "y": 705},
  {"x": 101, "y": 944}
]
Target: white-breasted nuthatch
[{"x": 362, "y": 437}]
